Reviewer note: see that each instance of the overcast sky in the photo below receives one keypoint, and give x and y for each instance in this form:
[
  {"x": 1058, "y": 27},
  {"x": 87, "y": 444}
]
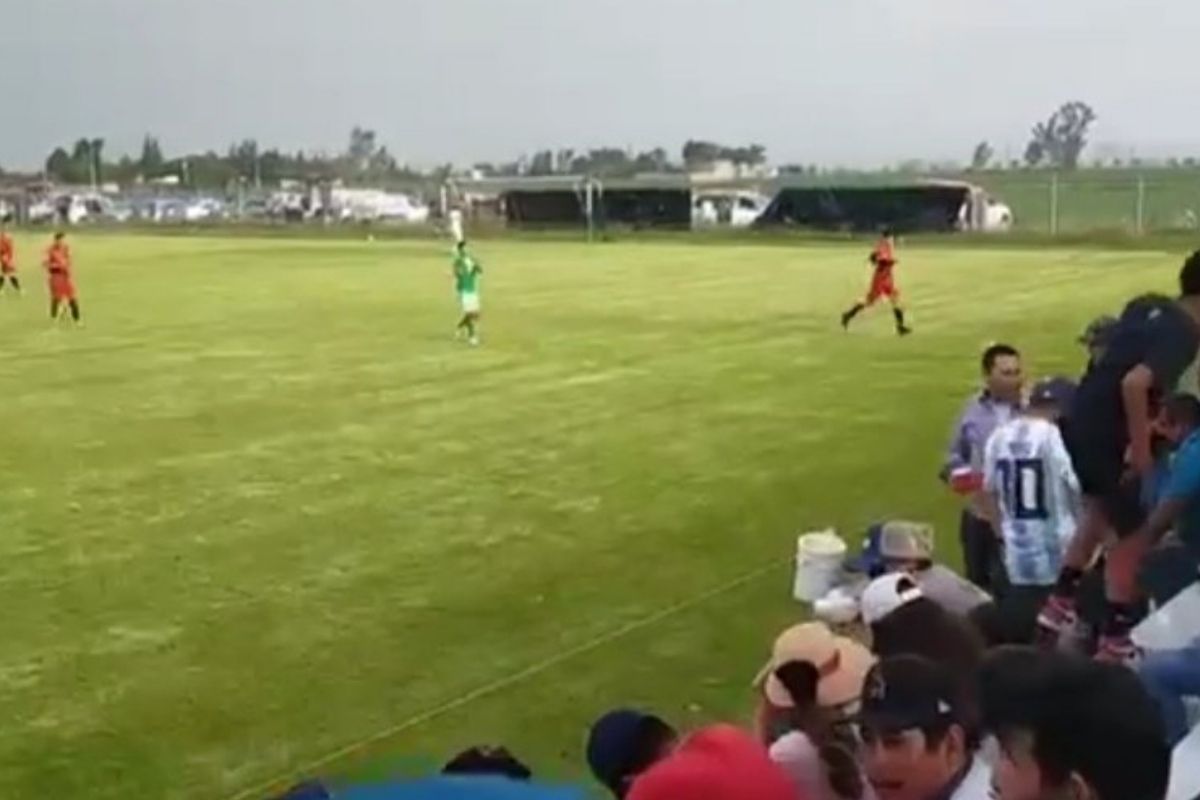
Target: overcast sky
[{"x": 833, "y": 81}]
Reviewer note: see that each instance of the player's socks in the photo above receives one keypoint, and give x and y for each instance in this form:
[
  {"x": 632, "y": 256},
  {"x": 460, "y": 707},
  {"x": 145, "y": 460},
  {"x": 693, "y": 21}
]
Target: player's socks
[
  {"x": 53, "y": 309},
  {"x": 851, "y": 313},
  {"x": 16, "y": 283},
  {"x": 74, "y": 310},
  {"x": 901, "y": 328}
]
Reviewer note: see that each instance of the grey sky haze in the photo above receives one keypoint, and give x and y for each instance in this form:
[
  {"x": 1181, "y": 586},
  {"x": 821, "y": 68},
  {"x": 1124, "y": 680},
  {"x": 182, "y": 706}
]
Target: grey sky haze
[{"x": 830, "y": 81}]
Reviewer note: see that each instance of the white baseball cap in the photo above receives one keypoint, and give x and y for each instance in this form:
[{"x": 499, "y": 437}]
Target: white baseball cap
[{"x": 887, "y": 593}]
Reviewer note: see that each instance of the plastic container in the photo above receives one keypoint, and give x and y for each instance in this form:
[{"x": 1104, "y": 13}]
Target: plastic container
[{"x": 819, "y": 557}]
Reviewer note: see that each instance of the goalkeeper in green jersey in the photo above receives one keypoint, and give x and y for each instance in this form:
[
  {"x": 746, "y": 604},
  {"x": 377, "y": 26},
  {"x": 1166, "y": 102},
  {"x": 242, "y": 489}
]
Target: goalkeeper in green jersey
[{"x": 467, "y": 272}]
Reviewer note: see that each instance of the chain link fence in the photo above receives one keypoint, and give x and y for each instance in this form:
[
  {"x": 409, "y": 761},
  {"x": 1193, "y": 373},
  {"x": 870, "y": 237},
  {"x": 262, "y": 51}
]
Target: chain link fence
[{"x": 1088, "y": 201}]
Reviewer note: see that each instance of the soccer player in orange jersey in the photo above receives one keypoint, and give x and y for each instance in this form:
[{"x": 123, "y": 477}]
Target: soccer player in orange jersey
[
  {"x": 8, "y": 263},
  {"x": 58, "y": 268},
  {"x": 883, "y": 284}
]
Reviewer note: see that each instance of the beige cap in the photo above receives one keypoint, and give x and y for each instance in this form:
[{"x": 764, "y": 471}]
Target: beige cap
[
  {"x": 841, "y": 663},
  {"x": 906, "y": 540}
]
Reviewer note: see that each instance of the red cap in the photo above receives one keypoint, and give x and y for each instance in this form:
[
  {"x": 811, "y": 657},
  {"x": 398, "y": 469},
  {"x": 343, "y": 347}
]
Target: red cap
[{"x": 716, "y": 763}]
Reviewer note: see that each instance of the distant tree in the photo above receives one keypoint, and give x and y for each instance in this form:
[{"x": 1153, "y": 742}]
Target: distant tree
[
  {"x": 698, "y": 153},
  {"x": 563, "y": 159},
  {"x": 1189, "y": 162},
  {"x": 382, "y": 163},
  {"x": 982, "y": 156},
  {"x": 96, "y": 160},
  {"x": 1118, "y": 163},
  {"x": 754, "y": 155},
  {"x": 151, "y": 161},
  {"x": 654, "y": 160},
  {"x": 58, "y": 165},
  {"x": 1035, "y": 151},
  {"x": 1061, "y": 139},
  {"x": 1173, "y": 163},
  {"x": 542, "y": 163},
  {"x": 243, "y": 157},
  {"x": 361, "y": 147},
  {"x": 1014, "y": 164}
]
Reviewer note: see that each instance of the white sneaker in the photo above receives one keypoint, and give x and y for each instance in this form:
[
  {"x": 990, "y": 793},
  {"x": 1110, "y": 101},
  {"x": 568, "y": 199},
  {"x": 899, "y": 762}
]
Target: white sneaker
[{"x": 473, "y": 341}]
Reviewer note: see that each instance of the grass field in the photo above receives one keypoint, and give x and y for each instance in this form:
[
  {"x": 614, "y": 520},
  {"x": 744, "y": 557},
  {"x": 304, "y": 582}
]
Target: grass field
[{"x": 264, "y": 513}]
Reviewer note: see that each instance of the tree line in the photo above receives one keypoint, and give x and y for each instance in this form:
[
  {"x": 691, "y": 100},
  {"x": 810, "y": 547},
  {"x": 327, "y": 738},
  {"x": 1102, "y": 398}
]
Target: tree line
[
  {"x": 1057, "y": 142},
  {"x": 363, "y": 161}
]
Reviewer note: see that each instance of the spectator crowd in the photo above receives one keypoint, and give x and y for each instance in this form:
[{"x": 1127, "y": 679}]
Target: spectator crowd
[{"x": 1019, "y": 679}]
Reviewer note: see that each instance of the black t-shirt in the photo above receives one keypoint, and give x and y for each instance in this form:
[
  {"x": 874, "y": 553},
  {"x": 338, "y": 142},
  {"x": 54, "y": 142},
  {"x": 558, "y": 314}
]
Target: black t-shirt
[{"x": 1153, "y": 331}]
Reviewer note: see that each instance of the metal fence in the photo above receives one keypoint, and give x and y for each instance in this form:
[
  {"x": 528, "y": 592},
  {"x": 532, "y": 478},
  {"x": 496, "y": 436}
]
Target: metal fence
[{"x": 1088, "y": 201}]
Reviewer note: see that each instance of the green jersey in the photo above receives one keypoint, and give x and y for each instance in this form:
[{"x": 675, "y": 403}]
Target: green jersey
[{"x": 466, "y": 274}]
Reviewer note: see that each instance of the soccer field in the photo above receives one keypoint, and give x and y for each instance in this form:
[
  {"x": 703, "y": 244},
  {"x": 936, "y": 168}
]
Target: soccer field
[{"x": 263, "y": 512}]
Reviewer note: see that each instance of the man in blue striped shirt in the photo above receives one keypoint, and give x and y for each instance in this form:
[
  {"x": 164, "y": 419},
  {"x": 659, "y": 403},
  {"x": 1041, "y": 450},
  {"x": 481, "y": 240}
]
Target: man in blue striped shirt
[{"x": 999, "y": 402}]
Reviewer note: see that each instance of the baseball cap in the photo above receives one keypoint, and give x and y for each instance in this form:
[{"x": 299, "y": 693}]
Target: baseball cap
[
  {"x": 887, "y": 593},
  {"x": 1057, "y": 391},
  {"x": 487, "y": 760},
  {"x": 615, "y": 744},
  {"x": 869, "y": 560},
  {"x": 1099, "y": 331},
  {"x": 907, "y": 691},
  {"x": 720, "y": 762},
  {"x": 841, "y": 664},
  {"x": 911, "y": 541}
]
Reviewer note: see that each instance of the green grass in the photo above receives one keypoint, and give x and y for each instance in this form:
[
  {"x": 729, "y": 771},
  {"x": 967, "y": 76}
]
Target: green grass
[{"x": 263, "y": 508}]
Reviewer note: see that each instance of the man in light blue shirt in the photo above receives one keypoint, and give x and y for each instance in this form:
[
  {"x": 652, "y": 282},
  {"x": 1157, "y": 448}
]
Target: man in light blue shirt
[{"x": 998, "y": 403}]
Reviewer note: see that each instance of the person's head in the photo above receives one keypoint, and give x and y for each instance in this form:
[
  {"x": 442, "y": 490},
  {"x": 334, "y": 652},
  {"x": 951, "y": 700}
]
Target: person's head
[
  {"x": 1071, "y": 728},
  {"x": 1050, "y": 398},
  {"x": 1180, "y": 416},
  {"x": 1189, "y": 277},
  {"x": 832, "y": 736},
  {"x": 906, "y": 546},
  {"x": 487, "y": 760},
  {"x": 921, "y": 627},
  {"x": 1002, "y": 376},
  {"x": 59, "y": 237},
  {"x": 888, "y": 234},
  {"x": 1097, "y": 335},
  {"x": 716, "y": 763},
  {"x": 625, "y": 743},
  {"x": 840, "y": 665},
  {"x": 887, "y": 593},
  {"x": 915, "y": 742}
]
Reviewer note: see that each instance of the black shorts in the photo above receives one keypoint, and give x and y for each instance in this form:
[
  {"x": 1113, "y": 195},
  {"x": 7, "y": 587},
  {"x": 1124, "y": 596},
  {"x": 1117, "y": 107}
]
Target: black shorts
[{"x": 1100, "y": 467}]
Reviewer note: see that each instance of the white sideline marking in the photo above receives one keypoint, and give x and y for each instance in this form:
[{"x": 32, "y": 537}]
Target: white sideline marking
[{"x": 503, "y": 683}]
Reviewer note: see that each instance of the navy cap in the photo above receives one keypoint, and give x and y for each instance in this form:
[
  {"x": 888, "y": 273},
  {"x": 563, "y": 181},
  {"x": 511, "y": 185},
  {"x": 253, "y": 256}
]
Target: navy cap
[
  {"x": 1058, "y": 391},
  {"x": 908, "y": 691},
  {"x": 1099, "y": 331},
  {"x": 615, "y": 744},
  {"x": 870, "y": 560}
]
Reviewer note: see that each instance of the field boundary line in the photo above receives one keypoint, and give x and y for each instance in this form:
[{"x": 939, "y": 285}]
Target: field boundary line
[{"x": 507, "y": 681}]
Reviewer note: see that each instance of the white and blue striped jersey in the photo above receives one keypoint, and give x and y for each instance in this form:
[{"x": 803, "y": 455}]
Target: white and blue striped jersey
[{"x": 1027, "y": 469}]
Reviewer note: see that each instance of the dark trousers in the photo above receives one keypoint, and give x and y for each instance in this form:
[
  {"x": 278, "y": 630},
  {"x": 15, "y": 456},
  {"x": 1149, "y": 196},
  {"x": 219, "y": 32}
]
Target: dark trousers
[
  {"x": 982, "y": 561},
  {"x": 1167, "y": 570},
  {"x": 1011, "y": 619}
]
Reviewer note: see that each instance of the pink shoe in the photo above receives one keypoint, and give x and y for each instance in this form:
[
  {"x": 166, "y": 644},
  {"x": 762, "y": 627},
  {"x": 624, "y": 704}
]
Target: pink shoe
[
  {"x": 1057, "y": 617},
  {"x": 1117, "y": 650}
]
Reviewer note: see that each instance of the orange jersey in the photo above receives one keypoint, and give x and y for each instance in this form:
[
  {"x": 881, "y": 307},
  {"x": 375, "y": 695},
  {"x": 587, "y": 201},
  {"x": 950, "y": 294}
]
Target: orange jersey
[
  {"x": 58, "y": 259},
  {"x": 6, "y": 249}
]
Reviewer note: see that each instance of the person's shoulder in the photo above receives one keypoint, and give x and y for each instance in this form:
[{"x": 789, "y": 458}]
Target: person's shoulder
[{"x": 977, "y": 785}]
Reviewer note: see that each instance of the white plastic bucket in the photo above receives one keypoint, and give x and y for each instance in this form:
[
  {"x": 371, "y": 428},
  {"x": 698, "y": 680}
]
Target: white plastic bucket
[{"x": 819, "y": 557}]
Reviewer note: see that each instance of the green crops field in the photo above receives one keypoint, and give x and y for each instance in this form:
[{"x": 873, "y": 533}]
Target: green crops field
[{"x": 263, "y": 516}]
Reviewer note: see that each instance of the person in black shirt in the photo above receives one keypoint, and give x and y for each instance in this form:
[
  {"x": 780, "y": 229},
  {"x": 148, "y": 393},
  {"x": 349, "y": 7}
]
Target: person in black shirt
[{"x": 1108, "y": 435}]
